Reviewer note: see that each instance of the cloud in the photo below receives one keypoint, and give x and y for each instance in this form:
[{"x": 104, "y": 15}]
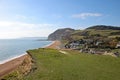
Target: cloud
[
  {"x": 16, "y": 29},
  {"x": 85, "y": 15},
  {"x": 22, "y": 17},
  {"x": 57, "y": 16}
]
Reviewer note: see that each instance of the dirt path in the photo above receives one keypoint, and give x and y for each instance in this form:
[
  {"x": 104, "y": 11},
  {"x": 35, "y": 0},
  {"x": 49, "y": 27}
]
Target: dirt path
[{"x": 64, "y": 52}]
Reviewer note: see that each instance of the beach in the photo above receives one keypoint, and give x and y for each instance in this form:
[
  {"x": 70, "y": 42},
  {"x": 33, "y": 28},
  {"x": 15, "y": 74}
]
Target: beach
[
  {"x": 13, "y": 64},
  {"x": 54, "y": 45}
]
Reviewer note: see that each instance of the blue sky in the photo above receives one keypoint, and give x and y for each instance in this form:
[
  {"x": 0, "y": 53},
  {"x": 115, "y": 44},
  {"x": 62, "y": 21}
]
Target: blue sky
[{"x": 29, "y": 18}]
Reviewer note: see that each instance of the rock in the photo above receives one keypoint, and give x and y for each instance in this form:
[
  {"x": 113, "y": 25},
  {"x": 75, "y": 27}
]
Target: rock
[{"x": 60, "y": 34}]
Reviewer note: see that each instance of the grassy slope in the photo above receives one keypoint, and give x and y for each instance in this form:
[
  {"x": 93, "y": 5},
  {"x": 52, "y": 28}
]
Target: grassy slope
[
  {"x": 76, "y": 36},
  {"x": 52, "y": 65}
]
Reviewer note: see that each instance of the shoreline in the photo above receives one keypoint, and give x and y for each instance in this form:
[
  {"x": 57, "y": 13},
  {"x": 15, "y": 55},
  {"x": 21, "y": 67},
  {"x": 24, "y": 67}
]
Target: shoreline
[
  {"x": 49, "y": 44},
  {"x": 11, "y": 65},
  {"x": 12, "y": 58},
  {"x": 17, "y": 56},
  {"x": 15, "y": 62},
  {"x": 55, "y": 45}
]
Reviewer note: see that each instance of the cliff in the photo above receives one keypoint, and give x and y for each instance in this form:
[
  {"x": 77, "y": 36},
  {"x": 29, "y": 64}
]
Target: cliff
[
  {"x": 60, "y": 34},
  {"x": 17, "y": 73}
]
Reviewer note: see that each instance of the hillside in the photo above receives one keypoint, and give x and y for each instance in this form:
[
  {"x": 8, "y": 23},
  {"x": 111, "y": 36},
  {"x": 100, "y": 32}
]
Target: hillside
[
  {"x": 71, "y": 34},
  {"x": 104, "y": 27},
  {"x": 51, "y": 64},
  {"x": 60, "y": 33}
]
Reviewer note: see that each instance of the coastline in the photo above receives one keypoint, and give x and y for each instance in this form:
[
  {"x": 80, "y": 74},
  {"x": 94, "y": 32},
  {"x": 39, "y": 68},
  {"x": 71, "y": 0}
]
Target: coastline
[
  {"x": 11, "y": 65},
  {"x": 17, "y": 56},
  {"x": 15, "y": 62},
  {"x": 49, "y": 44},
  {"x": 12, "y": 58},
  {"x": 54, "y": 45}
]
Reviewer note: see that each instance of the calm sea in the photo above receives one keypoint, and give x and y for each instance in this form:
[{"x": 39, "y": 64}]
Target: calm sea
[{"x": 12, "y": 48}]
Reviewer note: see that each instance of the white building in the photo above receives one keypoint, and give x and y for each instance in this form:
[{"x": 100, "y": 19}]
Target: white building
[{"x": 118, "y": 45}]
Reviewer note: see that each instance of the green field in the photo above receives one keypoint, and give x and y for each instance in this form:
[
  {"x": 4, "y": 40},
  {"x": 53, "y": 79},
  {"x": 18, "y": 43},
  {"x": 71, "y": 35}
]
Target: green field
[
  {"x": 54, "y": 65},
  {"x": 93, "y": 31}
]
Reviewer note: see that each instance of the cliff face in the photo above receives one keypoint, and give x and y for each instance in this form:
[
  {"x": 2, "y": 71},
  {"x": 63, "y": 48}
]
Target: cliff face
[
  {"x": 60, "y": 34},
  {"x": 23, "y": 69}
]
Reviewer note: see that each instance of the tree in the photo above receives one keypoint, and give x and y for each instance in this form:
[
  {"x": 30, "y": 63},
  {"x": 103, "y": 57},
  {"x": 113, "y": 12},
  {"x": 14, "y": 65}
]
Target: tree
[{"x": 118, "y": 38}]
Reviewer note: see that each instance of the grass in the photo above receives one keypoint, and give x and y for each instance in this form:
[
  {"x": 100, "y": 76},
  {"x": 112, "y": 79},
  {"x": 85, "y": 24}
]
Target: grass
[
  {"x": 114, "y": 36},
  {"x": 101, "y": 32},
  {"x": 50, "y": 64},
  {"x": 76, "y": 37},
  {"x": 118, "y": 50},
  {"x": 92, "y": 32}
]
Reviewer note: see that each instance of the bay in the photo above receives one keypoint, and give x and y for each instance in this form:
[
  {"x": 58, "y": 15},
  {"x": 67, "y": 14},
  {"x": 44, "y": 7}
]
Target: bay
[{"x": 12, "y": 48}]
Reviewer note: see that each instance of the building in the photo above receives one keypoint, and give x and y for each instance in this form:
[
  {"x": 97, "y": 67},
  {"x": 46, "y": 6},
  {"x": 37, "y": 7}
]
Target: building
[{"x": 118, "y": 45}]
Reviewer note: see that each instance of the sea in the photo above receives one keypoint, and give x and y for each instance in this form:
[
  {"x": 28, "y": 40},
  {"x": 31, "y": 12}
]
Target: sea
[{"x": 13, "y": 48}]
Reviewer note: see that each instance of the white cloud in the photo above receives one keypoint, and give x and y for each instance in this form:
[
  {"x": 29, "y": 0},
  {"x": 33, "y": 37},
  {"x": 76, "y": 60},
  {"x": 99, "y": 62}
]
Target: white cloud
[
  {"x": 21, "y": 29},
  {"x": 22, "y": 17},
  {"x": 85, "y": 15},
  {"x": 57, "y": 16}
]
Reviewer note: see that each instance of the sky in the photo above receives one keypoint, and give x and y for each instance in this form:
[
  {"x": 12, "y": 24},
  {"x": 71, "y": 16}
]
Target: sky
[{"x": 39, "y": 18}]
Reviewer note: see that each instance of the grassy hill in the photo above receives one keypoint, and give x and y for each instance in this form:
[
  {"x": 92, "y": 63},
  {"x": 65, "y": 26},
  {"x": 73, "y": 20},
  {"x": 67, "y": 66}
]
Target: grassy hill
[
  {"x": 104, "y": 27},
  {"x": 89, "y": 32},
  {"x": 54, "y": 65},
  {"x": 71, "y": 34}
]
